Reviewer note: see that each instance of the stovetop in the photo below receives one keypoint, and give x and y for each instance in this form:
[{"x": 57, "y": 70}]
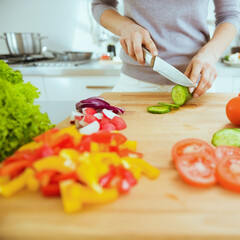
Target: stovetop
[{"x": 39, "y": 61}]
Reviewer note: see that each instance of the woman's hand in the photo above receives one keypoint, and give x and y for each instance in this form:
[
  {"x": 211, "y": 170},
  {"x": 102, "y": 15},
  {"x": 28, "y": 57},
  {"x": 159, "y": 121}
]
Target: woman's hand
[
  {"x": 203, "y": 63},
  {"x": 132, "y": 38}
]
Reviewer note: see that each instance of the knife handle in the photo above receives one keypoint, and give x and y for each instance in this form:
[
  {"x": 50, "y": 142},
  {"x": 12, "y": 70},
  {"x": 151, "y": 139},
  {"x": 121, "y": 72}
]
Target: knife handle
[{"x": 149, "y": 58}]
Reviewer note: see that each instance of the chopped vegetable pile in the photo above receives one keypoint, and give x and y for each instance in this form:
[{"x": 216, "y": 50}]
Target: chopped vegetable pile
[
  {"x": 90, "y": 120},
  {"x": 20, "y": 119},
  {"x": 82, "y": 169}
]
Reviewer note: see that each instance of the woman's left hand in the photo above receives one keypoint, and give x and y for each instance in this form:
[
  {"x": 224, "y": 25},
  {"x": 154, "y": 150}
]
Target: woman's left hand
[{"x": 203, "y": 63}]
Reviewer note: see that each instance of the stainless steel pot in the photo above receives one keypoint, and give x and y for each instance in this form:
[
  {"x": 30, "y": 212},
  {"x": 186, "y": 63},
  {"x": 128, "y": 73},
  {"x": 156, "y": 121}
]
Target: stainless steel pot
[{"x": 23, "y": 43}]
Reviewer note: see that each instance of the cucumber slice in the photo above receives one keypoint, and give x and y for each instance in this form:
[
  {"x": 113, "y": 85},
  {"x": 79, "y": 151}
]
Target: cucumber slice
[
  {"x": 227, "y": 137},
  {"x": 180, "y": 95},
  {"x": 174, "y": 106},
  {"x": 159, "y": 109}
]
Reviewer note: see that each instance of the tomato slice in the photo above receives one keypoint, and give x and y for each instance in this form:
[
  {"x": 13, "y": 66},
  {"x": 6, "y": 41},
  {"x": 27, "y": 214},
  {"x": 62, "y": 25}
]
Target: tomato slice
[
  {"x": 228, "y": 172},
  {"x": 197, "y": 169},
  {"x": 224, "y": 151},
  {"x": 191, "y": 145}
]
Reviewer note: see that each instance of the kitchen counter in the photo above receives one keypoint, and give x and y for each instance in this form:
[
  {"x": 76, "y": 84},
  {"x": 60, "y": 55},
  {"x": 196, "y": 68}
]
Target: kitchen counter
[
  {"x": 165, "y": 208},
  {"x": 95, "y": 68},
  {"x": 92, "y": 68}
]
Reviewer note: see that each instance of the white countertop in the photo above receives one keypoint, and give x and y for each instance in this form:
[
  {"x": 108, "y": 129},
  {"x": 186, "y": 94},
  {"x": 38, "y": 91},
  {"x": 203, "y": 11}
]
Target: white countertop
[{"x": 92, "y": 68}]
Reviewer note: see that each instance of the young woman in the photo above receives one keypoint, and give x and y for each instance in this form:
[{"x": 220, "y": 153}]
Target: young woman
[{"x": 176, "y": 31}]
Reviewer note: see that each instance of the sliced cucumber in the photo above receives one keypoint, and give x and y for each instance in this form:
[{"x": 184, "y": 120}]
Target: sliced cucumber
[
  {"x": 180, "y": 95},
  {"x": 159, "y": 109},
  {"x": 174, "y": 106},
  {"x": 227, "y": 137}
]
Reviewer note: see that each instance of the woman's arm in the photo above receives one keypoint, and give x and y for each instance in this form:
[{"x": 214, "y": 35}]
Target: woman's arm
[
  {"x": 204, "y": 62},
  {"x": 227, "y": 21},
  {"x": 132, "y": 36}
]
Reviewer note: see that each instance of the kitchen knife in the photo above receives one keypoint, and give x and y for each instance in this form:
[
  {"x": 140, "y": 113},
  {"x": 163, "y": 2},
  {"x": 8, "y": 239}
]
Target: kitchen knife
[{"x": 166, "y": 70}]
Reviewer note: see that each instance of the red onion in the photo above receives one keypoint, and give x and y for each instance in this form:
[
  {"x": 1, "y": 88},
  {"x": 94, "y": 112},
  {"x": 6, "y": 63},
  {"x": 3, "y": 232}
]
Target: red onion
[{"x": 98, "y": 104}]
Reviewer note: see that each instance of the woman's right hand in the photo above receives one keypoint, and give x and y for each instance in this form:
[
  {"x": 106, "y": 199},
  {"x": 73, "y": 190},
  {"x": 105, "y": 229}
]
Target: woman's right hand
[{"x": 132, "y": 38}]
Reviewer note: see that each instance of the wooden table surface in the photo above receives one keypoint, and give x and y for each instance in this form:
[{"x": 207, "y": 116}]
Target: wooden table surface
[{"x": 165, "y": 208}]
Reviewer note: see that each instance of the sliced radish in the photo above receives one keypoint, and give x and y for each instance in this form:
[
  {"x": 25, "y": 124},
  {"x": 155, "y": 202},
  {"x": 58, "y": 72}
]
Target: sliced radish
[
  {"x": 90, "y": 111},
  {"x": 119, "y": 123},
  {"x": 109, "y": 114},
  {"x": 90, "y": 128},
  {"x": 77, "y": 120},
  {"x": 87, "y": 119},
  {"x": 107, "y": 126},
  {"x": 99, "y": 116},
  {"x": 104, "y": 120},
  {"x": 73, "y": 115}
]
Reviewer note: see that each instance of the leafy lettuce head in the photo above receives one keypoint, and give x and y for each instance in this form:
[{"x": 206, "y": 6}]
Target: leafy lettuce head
[{"x": 20, "y": 119}]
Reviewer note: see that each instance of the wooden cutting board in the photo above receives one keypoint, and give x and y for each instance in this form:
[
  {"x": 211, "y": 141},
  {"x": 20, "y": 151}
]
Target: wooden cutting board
[{"x": 165, "y": 208}]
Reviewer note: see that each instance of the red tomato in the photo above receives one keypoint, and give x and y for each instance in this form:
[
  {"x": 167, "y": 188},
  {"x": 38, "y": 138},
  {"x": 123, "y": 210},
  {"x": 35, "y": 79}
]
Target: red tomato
[
  {"x": 228, "y": 173},
  {"x": 197, "y": 169},
  {"x": 223, "y": 151},
  {"x": 191, "y": 145},
  {"x": 233, "y": 110}
]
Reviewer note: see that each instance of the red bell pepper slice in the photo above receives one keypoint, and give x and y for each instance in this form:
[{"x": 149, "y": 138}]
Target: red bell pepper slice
[
  {"x": 46, "y": 136},
  {"x": 42, "y": 152},
  {"x": 119, "y": 138},
  {"x": 19, "y": 155},
  {"x": 44, "y": 177},
  {"x": 51, "y": 190},
  {"x": 102, "y": 136},
  {"x": 63, "y": 141},
  {"x": 13, "y": 169},
  {"x": 118, "y": 177},
  {"x": 85, "y": 144},
  {"x": 61, "y": 177},
  {"x": 113, "y": 149},
  {"x": 105, "y": 180}
]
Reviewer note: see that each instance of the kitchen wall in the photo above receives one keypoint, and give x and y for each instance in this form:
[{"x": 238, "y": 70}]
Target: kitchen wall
[{"x": 67, "y": 23}]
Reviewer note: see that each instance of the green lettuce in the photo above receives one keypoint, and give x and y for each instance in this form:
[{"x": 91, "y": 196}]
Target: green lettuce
[{"x": 20, "y": 119}]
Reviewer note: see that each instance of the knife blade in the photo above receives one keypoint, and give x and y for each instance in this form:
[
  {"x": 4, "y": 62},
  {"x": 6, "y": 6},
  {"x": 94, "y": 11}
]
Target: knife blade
[{"x": 166, "y": 69}]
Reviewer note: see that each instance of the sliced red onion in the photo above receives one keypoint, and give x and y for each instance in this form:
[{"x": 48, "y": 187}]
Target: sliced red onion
[{"x": 98, "y": 104}]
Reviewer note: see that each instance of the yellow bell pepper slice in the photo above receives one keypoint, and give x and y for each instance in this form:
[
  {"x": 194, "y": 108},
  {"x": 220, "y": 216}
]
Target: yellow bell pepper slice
[
  {"x": 69, "y": 153},
  {"x": 56, "y": 163},
  {"x": 147, "y": 169},
  {"x": 70, "y": 198},
  {"x": 31, "y": 146},
  {"x": 87, "y": 173},
  {"x": 10, "y": 188},
  {"x": 131, "y": 145},
  {"x": 4, "y": 179},
  {"x": 135, "y": 169},
  {"x": 32, "y": 182},
  {"x": 71, "y": 131},
  {"x": 74, "y": 195}
]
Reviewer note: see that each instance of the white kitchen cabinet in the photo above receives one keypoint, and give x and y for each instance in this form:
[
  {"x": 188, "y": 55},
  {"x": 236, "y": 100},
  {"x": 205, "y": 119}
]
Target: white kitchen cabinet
[
  {"x": 236, "y": 85},
  {"x": 38, "y": 82},
  {"x": 75, "y": 88}
]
